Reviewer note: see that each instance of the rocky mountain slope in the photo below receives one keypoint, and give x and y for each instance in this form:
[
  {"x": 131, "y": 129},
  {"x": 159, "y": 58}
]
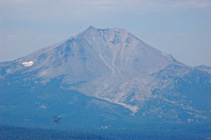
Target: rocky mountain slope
[{"x": 112, "y": 67}]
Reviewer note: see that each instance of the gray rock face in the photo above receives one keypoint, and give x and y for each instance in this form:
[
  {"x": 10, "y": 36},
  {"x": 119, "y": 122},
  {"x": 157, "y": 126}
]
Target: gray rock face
[
  {"x": 204, "y": 68},
  {"x": 114, "y": 65}
]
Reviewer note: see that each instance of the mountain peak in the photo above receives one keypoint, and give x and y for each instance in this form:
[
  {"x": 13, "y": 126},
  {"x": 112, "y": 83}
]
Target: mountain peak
[
  {"x": 98, "y": 61},
  {"x": 112, "y": 65},
  {"x": 91, "y": 27},
  {"x": 89, "y": 30}
]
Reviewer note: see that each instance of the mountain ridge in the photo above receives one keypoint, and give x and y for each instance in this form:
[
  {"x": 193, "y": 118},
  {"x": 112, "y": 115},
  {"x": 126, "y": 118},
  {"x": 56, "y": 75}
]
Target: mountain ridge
[{"x": 116, "y": 66}]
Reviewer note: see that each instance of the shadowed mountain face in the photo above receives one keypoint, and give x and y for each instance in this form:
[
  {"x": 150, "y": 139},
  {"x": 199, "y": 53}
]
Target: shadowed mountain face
[{"x": 118, "y": 71}]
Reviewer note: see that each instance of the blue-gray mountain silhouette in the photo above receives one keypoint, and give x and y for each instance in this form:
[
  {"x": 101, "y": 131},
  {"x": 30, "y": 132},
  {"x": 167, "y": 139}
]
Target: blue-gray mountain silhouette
[{"x": 102, "y": 78}]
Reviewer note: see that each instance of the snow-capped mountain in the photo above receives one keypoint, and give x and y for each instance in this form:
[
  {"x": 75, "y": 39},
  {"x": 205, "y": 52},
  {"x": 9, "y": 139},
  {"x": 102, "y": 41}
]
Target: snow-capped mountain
[{"x": 114, "y": 67}]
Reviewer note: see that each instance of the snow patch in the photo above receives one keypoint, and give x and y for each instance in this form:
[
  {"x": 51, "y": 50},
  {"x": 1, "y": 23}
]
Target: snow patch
[
  {"x": 164, "y": 54},
  {"x": 43, "y": 73},
  {"x": 104, "y": 127},
  {"x": 43, "y": 107},
  {"x": 101, "y": 32},
  {"x": 134, "y": 109},
  {"x": 189, "y": 120},
  {"x": 28, "y": 64},
  {"x": 9, "y": 71}
]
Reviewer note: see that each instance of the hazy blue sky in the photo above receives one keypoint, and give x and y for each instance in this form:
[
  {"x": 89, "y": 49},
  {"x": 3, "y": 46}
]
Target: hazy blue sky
[{"x": 181, "y": 28}]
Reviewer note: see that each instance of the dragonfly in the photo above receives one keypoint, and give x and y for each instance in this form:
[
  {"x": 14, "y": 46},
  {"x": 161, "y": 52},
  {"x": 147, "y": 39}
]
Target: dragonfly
[{"x": 56, "y": 119}]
